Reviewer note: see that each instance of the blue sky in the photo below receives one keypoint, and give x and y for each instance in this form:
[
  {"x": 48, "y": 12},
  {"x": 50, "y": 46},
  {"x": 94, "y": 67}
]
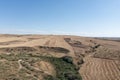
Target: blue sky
[{"x": 73, "y": 17}]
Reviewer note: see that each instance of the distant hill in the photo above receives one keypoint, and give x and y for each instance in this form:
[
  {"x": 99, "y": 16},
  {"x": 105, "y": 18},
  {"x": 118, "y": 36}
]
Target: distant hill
[{"x": 109, "y": 38}]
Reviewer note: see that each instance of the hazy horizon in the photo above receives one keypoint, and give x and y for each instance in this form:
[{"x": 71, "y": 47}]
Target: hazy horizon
[{"x": 93, "y": 18}]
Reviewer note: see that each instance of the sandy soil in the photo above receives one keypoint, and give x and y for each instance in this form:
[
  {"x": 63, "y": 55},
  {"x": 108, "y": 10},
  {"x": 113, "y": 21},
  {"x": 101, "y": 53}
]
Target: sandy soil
[{"x": 100, "y": 69}]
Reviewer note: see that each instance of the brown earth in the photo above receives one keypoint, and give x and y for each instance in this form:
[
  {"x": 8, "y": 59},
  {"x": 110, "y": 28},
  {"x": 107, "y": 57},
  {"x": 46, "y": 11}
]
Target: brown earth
[{"x": 97, "y": 59}]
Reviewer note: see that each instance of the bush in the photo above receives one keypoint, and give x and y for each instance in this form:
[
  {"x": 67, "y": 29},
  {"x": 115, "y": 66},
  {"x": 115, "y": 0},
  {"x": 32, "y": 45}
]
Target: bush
[
  {"x": 80, "y": 62},
  {"x": 68, "y": 59},
  {"x": 71, "y": 76},
  {"x": 49, "y": 77}
]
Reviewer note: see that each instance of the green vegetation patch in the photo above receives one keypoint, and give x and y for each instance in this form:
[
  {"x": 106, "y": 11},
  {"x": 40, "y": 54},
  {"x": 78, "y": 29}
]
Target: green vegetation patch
[{"x": 64, "y": 69}]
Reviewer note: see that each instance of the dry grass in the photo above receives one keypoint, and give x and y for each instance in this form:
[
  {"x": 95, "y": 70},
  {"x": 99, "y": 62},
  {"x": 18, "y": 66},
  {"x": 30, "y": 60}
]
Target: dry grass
[{"x": 95, "y": 63}]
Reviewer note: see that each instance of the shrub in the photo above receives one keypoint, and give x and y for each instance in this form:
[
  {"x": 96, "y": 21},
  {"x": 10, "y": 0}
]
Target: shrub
[{"x": 68, "y": 59}]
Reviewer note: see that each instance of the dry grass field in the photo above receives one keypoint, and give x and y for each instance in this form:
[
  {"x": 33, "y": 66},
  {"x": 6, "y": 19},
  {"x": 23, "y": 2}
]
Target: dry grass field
[{"x": 44, "y": 57}]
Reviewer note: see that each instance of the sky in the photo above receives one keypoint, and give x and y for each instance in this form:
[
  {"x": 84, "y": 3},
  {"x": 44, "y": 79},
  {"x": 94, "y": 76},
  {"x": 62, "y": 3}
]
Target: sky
[{"x": 94, "y": 18}]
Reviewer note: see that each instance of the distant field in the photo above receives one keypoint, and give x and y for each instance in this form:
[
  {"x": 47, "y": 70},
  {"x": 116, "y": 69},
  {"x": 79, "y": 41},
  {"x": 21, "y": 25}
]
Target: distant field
[{"x": 109, "y": 38}]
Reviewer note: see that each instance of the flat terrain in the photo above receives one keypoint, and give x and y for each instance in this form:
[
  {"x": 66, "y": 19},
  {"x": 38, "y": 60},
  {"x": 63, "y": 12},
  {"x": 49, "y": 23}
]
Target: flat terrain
[{"x": 35, "y": 56}]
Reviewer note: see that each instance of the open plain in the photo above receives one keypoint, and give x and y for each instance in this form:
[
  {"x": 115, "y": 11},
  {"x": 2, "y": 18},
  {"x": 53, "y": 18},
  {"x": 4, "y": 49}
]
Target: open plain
[{"x": 43, "y": 57}]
